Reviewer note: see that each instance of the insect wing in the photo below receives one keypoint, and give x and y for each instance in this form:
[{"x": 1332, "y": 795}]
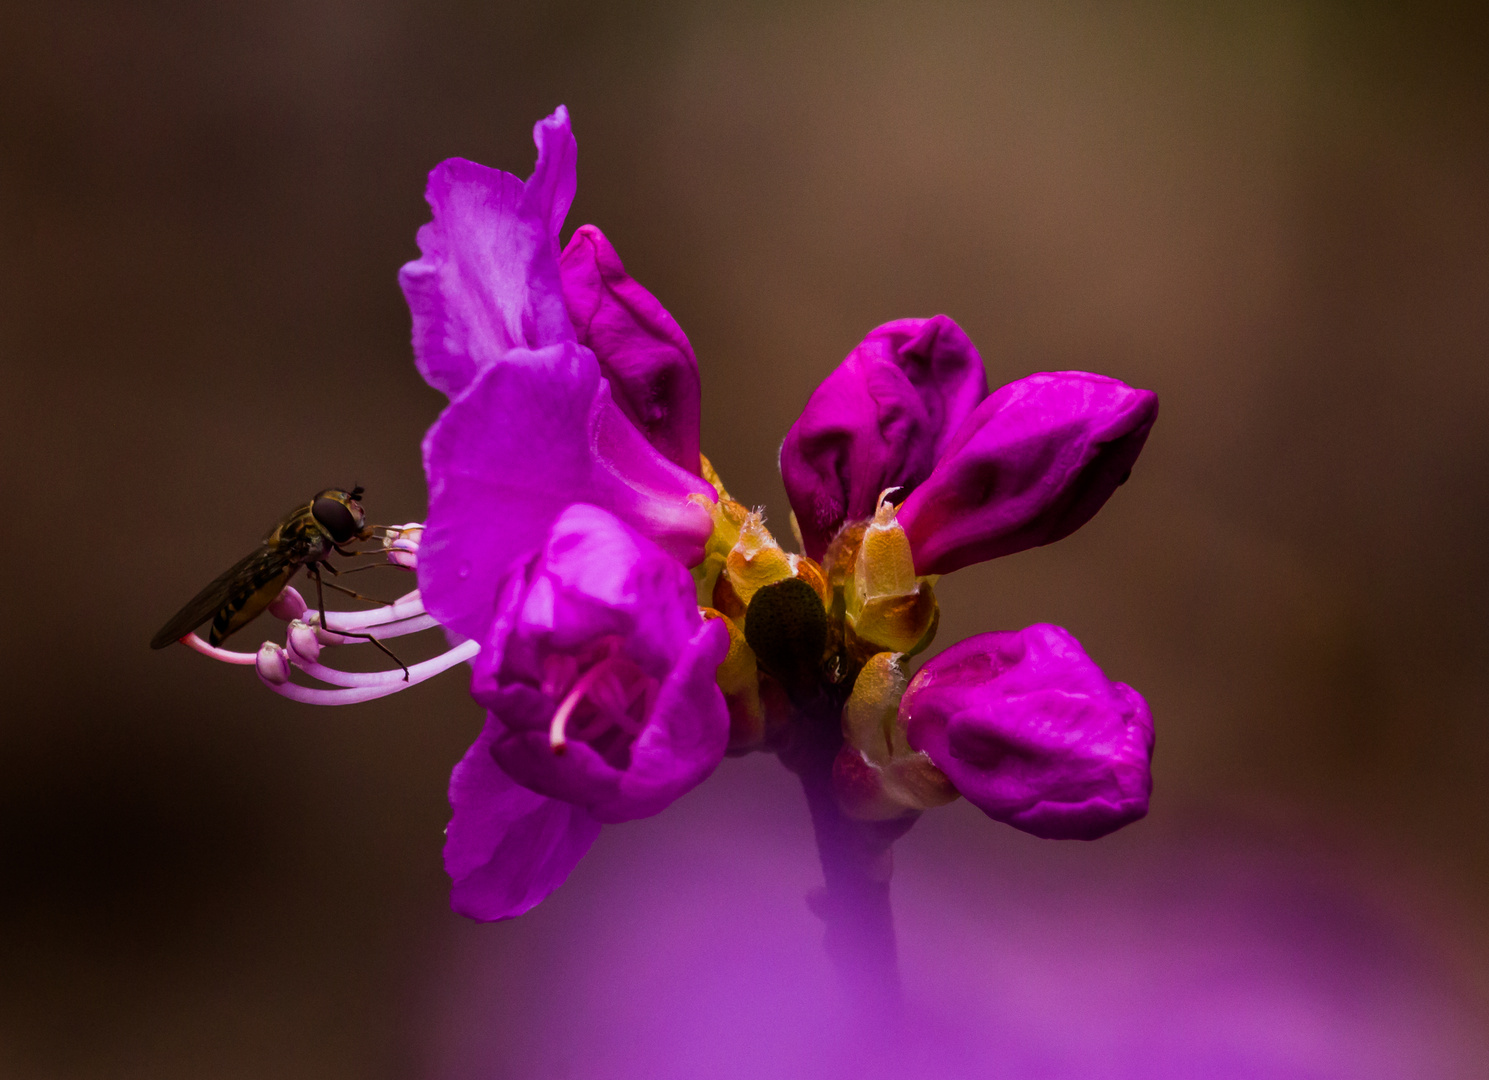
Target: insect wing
[{"x": 255, "y": 568}]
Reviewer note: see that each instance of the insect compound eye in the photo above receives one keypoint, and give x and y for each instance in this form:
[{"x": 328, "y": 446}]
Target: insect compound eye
[{"x": 336, "y": 518}]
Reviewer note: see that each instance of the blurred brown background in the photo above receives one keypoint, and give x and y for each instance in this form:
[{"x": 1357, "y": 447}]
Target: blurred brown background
[{"x": 1276, "y": 215}]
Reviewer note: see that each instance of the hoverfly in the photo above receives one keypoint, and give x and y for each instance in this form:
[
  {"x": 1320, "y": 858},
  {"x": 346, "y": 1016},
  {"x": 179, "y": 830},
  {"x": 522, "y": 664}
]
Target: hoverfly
[{"x": 304, "y": 537}]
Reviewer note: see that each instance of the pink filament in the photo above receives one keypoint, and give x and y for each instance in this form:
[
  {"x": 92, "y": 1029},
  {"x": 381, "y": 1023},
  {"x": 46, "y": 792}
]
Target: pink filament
[
  {"x": 360, "y": 686},
  {"x": 227, "y": 656},
  {"x": 406, "y": 615}
]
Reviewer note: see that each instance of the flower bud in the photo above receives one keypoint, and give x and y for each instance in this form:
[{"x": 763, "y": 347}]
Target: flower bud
[
  {"x": 273, "y": 664},
  {"x": 1033, "y": 733}
]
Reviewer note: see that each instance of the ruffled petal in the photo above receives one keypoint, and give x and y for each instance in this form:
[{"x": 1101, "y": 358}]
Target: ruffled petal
[
  {"x": 502, "y": 462},
  {"x": 685, "y": 736},
  {"x": 507, "y": 847},
  {"x": 601, "y": 592},
  {"x": 682, "y": 743},
  {"x": 1030, "y": 731},
  {"x": 1032, "y": 464},
  {"x": 596, "y": 578},
  {"x": 642, "y": 351},
  {"x": 534, "y": 433},
  {"x": 666, "y": 503},
  {"x": 487, "y": 280},
  {"x": 880, "y": 420},
  {"x": 550, "y": 191}
]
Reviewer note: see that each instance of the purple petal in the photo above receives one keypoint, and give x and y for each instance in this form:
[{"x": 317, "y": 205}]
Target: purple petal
[
  {"x": 880, "y": 420},
  {"x": 488, "y": 278},
  {"x": 1032, "y": 464},
  {"x": 534, "y": 433},
  {"x": 550, "y": 190},
  {"x": 599, "y": 581},
  {"x": 683, "y": 742},
  {"x": 507, "y": 847},
  {"x": 643, "y": 488},
  {"x": 596, "y": 578},
  {"x": 685, "y": 736},
  {"x": 1031, "y": 732},
  {"x": 642, "y": 351}
]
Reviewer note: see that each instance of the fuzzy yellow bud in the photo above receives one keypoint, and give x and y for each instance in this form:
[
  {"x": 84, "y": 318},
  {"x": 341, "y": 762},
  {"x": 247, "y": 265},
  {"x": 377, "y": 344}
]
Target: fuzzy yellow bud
[
  {"x": 888, "y": 607},
  {"x": 728, "y": 516},
  {"x": 871, "y": 714},
  {"x": 756, "y": 560},
  {"x": 876, "y": 775},
  {"x": 738, "y": 677},
  {"x": 885, "y": 566}
]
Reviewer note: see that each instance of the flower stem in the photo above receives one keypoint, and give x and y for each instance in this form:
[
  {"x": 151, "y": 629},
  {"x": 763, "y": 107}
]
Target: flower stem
[{"x": 857, "y": 861}]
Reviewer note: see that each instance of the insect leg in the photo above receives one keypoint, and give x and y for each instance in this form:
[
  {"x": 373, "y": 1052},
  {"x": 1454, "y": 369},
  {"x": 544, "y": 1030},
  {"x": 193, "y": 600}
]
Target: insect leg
[
  {"x": 320, "y": 597},
  {"x": 385, "y": 650},
  {"x": 357, "y": 595}
]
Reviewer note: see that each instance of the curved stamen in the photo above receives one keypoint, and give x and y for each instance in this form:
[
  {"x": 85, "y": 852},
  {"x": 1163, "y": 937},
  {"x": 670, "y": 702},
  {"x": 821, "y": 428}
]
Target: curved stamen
[
  {"x": 336, "y": 677},
  {"x": 349, "y": 634},
  {"x": 407, "y": 606},
  {"x": 305, "y": 637},
  {"x": 556, "y": 734},
  {"x": 390, "y": 682},
  {"x": 227, "y": 656}
]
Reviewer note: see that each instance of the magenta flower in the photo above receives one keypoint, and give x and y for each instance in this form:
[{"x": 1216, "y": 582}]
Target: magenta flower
[
  {"x": 573, "y": 426},
  {"x": 533, "y": 423},
  {"x": 978, "y": 475},
  {"x": 881, "y": 420},
  {"x": 629, "y": 623},
  {"x": 1024, "y": 724},
  {"x": 598, "y": 678}
]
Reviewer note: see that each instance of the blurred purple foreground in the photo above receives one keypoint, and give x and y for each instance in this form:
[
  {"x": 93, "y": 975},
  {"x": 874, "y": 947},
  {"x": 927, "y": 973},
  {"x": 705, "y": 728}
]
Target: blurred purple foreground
[{"x": 681, "y": 949}]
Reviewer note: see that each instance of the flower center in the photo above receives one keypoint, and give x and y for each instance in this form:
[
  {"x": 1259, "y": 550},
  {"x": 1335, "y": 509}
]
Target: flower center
[{"x": 606, "y": 707}]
